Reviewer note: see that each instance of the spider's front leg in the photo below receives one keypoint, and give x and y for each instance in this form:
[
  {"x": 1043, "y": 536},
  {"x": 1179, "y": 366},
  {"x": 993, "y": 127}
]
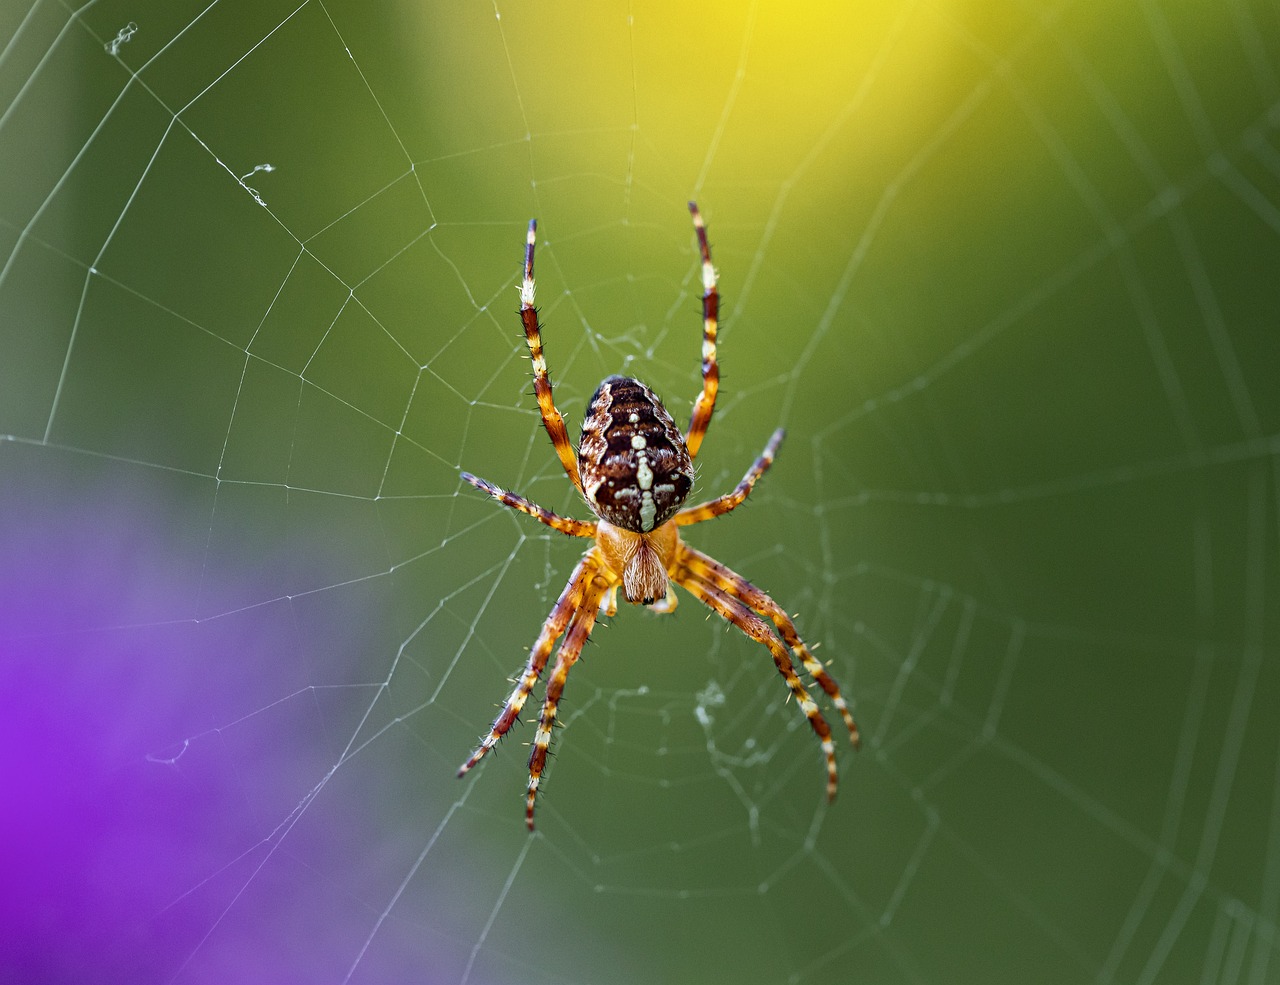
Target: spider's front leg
[
  {"x": 706, "y": 402},
  {"x": 551, "y": 417}
]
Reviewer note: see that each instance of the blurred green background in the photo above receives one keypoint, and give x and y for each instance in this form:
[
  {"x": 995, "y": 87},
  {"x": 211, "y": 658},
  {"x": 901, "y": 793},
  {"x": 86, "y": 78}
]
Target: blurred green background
[{"x": 1005, "y": 271}]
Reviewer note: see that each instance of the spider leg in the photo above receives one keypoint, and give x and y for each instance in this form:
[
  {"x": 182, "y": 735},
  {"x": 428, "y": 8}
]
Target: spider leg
[
  {"x": 706, "y": 402},
  {"x": 566, "y": 606},
  {"x": 733, "y": 584},
  {"x": 756, "y": 628},
  {"x": 584, "y": 618},
  {"x": 731, "y": 501},
  {"x": 551, "y": 418},
  {"x": 566, "y": 525}
]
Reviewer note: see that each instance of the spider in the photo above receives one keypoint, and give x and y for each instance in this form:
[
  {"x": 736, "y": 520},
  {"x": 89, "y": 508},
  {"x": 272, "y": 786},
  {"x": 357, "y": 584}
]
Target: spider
[{"x": 635, "y": 469}]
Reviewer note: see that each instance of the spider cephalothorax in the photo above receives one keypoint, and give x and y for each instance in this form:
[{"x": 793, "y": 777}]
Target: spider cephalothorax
[{"x": 634, "y": 468}]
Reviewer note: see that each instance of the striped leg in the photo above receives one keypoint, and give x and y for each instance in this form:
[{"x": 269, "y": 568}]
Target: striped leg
[
  {"x": 551, "y": 418},
  {"x": 575, "y": 639},
  {"x": 733, "y": 584},
  {"x": 566, "y": 606},
  {"x": 738, "y": 614},
  {"x": 706, "y": 402},
  {"x": 566, "y": 525},
  {"x": 731, "y": 501}
]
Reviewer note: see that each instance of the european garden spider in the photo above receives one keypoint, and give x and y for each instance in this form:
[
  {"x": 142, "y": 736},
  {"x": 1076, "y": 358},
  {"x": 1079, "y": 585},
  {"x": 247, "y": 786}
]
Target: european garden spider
[{"x": 635, "y": 470}]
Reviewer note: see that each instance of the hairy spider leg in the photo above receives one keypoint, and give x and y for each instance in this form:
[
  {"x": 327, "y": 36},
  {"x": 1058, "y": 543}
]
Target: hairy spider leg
[
  {"x": 551, "y": 418},
  {"x": 565, "y": 608},
  {"x": 706, "y": 402},
  {"x": 732, "y": 500},
  {"x": 592, "y": 588},
  {"x": 566, "y": 525},
  {"x": 584, "y": 618},
  {"x": 734, "y": 585},
  {"x": 756, "y": 628}
]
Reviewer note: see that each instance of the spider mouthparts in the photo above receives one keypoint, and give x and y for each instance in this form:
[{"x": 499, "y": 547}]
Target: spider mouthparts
[{"x": 644, "y": 577}]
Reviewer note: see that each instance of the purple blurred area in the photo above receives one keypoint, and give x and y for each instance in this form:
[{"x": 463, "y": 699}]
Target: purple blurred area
[{"x": 168, "y": 808}]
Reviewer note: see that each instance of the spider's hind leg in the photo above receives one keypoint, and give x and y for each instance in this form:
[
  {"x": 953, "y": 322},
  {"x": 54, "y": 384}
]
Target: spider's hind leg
[
  {"x": 736, "y": 612},
  {"x": 734, "y": 585},
  {"x": 584, "y": 618},
  {"x": 566, "y": 607}
]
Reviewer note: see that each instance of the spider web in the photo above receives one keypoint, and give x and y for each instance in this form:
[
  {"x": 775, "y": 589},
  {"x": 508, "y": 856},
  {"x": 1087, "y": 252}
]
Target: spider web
[{"x": 1005, "y": 273}]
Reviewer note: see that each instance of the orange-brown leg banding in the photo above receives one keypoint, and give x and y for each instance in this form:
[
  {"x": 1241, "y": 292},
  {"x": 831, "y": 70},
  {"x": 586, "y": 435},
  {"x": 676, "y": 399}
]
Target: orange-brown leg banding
[
  {"x": 732, "y": 500},
  {"x": 706, "y": 402},
  {"x": 738, "y": 614},
  {"x": 566, "y": 525},
  {"x": 566, "y": 606},
  {"x": 584, "y": 618},
  {"x": 551, "y": 418},
  {"x": 732, "y": 583}
]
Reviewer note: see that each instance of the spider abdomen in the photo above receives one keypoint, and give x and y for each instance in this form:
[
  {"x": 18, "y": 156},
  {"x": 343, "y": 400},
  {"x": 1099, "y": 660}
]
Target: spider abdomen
[{"x": 636, "y": 469}]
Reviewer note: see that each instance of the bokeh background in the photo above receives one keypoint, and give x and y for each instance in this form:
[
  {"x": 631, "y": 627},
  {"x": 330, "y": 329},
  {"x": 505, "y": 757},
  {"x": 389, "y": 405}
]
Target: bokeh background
[{"x": 1005, "y": 271}]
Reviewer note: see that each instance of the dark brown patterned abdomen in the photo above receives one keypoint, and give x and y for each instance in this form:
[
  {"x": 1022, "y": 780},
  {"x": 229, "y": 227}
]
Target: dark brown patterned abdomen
[{"x": 636, "y": 470}]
